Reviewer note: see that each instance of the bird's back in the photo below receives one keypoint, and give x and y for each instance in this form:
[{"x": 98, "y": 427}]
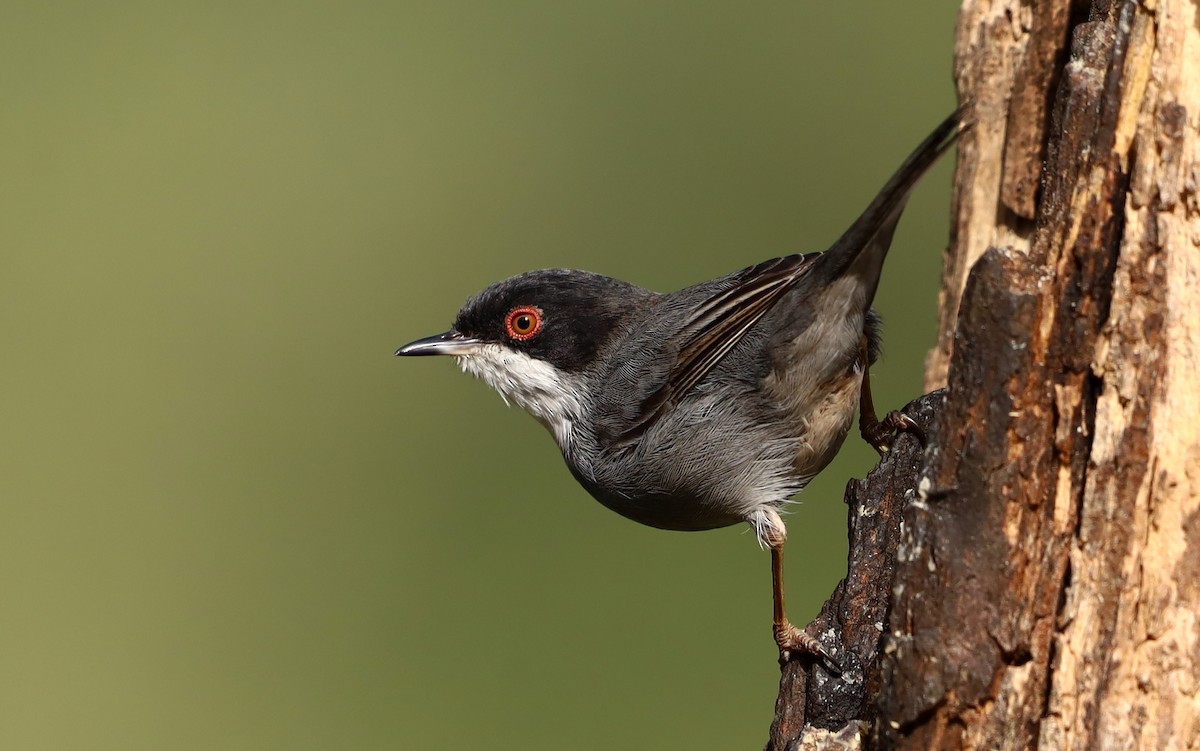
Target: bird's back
[{"x": 752, "y": 431}]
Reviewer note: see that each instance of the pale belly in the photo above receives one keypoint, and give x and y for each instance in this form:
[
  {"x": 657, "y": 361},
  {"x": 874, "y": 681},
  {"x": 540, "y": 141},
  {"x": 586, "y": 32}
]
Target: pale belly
[{"x": 824, "y": 424}]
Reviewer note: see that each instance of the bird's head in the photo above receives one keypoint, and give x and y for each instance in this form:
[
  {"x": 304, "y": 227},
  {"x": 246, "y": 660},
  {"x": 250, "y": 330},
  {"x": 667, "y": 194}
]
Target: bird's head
[{"x": 537, "y": 337}]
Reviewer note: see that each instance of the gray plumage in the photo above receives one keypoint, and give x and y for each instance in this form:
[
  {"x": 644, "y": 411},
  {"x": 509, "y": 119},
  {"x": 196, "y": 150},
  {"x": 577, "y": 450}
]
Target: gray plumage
[{"x": 703, "y": 407}]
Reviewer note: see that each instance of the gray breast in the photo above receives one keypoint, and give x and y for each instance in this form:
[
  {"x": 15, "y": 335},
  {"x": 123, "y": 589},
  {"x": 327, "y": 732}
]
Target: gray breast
[{"x": 709, "y": 463}]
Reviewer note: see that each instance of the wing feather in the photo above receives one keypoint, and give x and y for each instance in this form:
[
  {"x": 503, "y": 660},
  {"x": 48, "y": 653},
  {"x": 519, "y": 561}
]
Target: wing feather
[{"x": 715, "y": 327}]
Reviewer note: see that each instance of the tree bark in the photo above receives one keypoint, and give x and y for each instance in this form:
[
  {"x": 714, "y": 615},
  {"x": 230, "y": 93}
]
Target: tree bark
[{"x": 1046, "y": 587}]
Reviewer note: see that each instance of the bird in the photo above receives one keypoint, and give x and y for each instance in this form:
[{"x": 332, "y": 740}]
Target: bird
[{"x": 709, "y": 406}]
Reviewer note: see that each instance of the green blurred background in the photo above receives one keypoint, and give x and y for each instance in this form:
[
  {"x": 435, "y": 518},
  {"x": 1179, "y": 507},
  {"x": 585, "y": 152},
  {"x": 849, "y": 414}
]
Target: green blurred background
[{"x": 230, "y": 519}]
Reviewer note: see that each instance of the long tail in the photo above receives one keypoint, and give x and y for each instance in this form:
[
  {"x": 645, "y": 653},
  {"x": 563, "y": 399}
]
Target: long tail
[{"x": 865, "y": 244}]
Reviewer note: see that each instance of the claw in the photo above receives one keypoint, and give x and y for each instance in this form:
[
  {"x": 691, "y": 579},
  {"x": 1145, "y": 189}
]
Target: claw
[
  {"x": 794, "y": 643},
  {"x": 882, "y": 434}
]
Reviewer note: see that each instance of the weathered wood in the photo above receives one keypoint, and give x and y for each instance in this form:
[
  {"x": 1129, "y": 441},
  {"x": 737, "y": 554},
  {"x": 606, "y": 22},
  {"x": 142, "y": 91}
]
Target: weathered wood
[
  {"x": 1033, "y": 607},
  {"x": 814, "y": 703},
  {"x": 1046, "y": 591}
]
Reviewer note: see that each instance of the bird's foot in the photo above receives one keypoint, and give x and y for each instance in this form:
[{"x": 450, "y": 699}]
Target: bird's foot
[
  {"x": 882, "y": 433},
  {"x": 795, "y": 643}
]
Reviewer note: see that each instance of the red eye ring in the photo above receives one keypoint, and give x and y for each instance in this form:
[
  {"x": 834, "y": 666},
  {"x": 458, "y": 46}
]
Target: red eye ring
[{"x": 523, "y": 322}]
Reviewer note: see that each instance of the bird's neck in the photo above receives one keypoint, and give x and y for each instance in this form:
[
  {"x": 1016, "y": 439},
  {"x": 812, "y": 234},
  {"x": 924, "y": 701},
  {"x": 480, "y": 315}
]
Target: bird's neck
[{"x": 554, "y": 397}]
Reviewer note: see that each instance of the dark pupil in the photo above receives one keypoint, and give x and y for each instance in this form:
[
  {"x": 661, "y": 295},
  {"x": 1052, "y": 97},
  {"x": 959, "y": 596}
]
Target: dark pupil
[{"x": 523, "y": 323}]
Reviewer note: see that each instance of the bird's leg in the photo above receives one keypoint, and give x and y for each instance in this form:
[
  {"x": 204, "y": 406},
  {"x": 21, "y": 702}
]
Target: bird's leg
[
  {"x": 791, "y": 640},
  {"x": 880, "y": 433},
  {"x": 787, "y": 636}
]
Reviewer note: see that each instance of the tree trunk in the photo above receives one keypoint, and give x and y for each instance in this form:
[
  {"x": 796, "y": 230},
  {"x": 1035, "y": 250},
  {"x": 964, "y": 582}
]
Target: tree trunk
[{"x": 1046, "y": 588}]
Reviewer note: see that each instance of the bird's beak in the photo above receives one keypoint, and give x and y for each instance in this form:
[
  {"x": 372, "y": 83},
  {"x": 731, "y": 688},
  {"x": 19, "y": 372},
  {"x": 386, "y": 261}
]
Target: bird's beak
[{"x": 449, "y": 343}]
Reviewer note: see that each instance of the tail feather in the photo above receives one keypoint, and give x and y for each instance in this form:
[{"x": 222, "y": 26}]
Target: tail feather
[{"x": 865, "y": 244}]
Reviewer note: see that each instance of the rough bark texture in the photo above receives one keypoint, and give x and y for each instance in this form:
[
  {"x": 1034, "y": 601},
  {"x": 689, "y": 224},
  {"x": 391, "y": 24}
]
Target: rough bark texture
[
  {"x": 1047, "y": 585},
  {"x": 815, "y": 703}
]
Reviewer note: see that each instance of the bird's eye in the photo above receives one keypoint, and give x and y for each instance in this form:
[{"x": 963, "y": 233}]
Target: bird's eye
[{"x": 523, "y": 322}]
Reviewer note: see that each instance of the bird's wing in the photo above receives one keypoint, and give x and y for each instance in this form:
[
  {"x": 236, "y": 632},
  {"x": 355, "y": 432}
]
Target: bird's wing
[
  {"x": 714, "y": 327},
  {"x": 666, "y": 365}
]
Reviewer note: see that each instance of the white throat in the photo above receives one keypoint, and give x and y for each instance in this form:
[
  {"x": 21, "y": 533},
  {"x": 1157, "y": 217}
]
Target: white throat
[{"x": 554, "y": 398}]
